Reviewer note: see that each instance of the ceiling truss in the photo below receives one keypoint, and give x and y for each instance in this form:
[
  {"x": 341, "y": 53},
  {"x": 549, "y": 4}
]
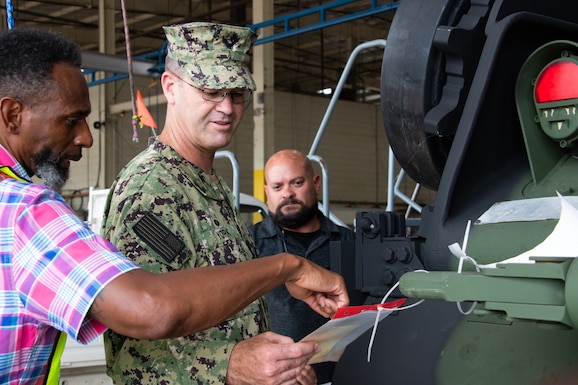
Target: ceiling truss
[{"x": 305, "y": 62}]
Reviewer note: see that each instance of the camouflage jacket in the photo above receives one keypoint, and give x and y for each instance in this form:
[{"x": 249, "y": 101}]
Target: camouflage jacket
[{"x": 167, "y": 214}]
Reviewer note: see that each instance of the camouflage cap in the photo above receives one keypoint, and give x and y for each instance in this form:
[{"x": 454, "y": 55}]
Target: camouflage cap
[{"x": 213, "y": 55}]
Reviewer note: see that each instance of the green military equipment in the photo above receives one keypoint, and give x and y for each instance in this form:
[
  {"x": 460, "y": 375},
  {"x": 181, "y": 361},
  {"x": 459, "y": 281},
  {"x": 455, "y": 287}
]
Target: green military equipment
[{"x": 544, "y": 291}]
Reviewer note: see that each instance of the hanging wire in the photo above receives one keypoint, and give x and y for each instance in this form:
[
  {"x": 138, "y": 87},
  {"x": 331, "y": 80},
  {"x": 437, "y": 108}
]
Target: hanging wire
[
  {"x": 10, "y": 14},
  {"x": 135, "y": 118}
]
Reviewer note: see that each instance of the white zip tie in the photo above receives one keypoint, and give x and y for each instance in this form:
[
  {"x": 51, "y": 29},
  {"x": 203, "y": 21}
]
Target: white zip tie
[{"x": 374, "y": 330}]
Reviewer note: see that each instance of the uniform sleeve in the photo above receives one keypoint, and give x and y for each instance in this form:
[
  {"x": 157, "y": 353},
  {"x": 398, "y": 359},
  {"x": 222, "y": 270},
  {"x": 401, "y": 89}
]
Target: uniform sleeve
[{"x": 147, "y": 228}]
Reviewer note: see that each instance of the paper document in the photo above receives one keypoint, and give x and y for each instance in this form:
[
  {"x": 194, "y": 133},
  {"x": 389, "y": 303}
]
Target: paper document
[{"x": 346, "y": 326}]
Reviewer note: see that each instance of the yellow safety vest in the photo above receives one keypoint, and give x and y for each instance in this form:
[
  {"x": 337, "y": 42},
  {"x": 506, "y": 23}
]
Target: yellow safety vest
[{"x": 8, "y": 172}]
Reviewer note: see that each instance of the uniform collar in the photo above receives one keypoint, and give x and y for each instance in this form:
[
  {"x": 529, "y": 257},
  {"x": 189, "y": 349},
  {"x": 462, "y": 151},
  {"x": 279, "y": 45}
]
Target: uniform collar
[{"x": 203, "y": 181}]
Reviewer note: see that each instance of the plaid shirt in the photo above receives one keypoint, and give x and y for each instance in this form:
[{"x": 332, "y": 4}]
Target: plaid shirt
[{"x": 52, "y": 268}]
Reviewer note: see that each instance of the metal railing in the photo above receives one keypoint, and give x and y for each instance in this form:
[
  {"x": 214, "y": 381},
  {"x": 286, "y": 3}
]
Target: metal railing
[
  {"x": 236, "y": 175},
  {"x": 393, "y": 183}
]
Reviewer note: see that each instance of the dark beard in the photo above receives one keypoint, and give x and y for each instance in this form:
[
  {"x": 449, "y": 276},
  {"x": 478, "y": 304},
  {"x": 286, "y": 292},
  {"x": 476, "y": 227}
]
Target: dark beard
[
  {"x": 48, "y": 169},
  {"x": 293, "y": 221}
]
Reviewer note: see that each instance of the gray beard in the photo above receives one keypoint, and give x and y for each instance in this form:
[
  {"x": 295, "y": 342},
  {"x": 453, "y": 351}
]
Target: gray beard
[
  {"x": 52, "y": 175},
  {"x": 48, "y": 170}
]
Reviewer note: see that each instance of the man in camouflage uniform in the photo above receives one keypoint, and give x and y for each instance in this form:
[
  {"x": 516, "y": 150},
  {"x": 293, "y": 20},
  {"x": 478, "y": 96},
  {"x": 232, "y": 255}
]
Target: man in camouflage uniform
[{"x": 169, "y": 210}]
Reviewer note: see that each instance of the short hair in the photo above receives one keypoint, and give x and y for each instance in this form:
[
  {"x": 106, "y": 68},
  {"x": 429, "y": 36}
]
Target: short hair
[
  {"x": 27, "y": 61},
  {"x": 172, "y": 65}
]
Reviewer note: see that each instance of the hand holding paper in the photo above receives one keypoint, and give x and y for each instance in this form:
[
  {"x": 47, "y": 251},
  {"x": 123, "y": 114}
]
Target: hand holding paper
[{"x": 348, "y": 324}]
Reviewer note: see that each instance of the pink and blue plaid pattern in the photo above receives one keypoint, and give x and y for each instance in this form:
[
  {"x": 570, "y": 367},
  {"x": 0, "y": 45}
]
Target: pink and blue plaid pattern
[{"x": 52, "y": 268}]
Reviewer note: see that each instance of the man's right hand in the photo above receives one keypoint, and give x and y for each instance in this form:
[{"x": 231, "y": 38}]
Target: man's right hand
[
  {"x": 268, "y": 359},
  {"x": 323, "y": 290}
]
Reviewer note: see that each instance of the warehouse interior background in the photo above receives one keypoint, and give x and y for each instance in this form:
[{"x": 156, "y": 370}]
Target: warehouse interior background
[
  {"x": 296, "y": 75},
  {"x": 304, "y": 63}
]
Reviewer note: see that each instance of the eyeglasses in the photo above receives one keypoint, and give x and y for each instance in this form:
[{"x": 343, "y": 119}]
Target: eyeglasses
[{"x": 238, "y": 96}]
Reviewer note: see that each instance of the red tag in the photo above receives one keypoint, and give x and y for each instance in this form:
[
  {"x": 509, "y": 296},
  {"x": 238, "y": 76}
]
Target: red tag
[{"x": 348, "y": 311}]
